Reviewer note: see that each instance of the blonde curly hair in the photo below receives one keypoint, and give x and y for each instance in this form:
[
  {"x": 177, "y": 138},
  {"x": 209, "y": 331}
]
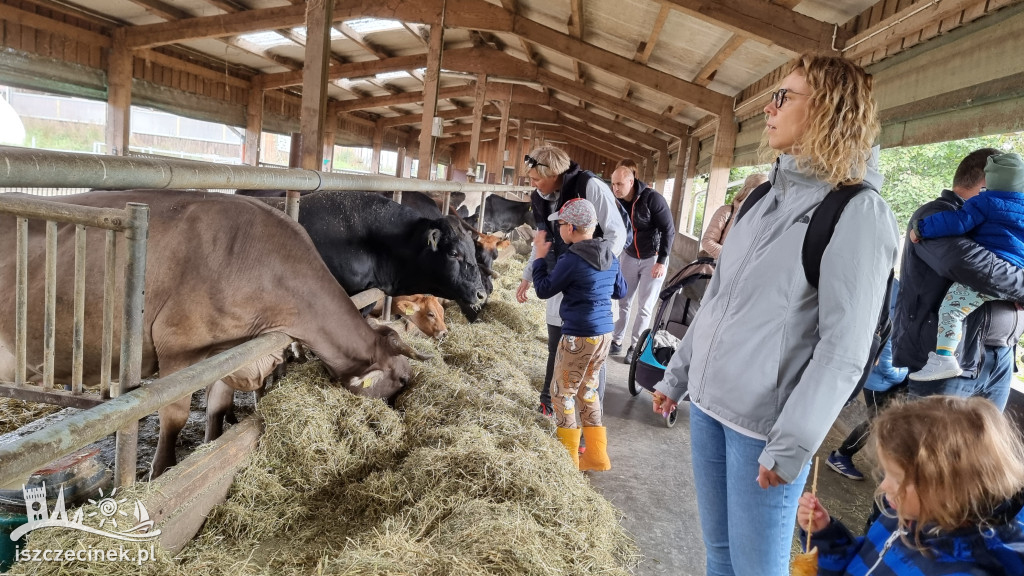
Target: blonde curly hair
[
  {"x": 842, "y": 120},
  {"x": 962, "y": 456}
]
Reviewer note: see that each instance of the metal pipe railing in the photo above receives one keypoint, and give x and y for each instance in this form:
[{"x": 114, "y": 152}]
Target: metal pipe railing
[
  {"x": 29, "y": 167},
  {"x": 136, "y": 235},
  {"x": 23, "y": 456}
]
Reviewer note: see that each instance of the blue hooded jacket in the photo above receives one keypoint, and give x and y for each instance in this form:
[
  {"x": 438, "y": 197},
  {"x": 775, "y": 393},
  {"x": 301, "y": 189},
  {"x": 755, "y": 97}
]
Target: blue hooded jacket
[
  {"x": 968, "y": 551},
  {"x": 993, "y": 219},
  {"x": 588, "y": 275}
]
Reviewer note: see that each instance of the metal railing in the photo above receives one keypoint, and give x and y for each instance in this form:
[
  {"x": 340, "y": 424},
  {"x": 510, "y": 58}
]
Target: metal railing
[
  {"x": 32, "y": 168},
  {"x": 133, "y": 223}
]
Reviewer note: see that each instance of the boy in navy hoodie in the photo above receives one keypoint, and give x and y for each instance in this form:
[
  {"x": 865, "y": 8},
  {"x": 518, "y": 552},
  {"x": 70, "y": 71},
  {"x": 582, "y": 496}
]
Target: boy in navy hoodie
[{"x": 588, "y": 276}]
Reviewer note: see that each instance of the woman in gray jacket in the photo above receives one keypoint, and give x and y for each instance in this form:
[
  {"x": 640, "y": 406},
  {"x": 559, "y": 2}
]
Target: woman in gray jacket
[{"x": 755, "y": 424}]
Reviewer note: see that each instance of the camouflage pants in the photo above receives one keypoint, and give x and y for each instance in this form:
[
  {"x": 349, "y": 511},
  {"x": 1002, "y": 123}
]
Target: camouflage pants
[
  {"x": 959, "y": 302},
  {"x": 577, "y": 364}
]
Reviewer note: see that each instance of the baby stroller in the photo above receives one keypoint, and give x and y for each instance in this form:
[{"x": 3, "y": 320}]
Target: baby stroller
[{"x": 677, "y": 305}]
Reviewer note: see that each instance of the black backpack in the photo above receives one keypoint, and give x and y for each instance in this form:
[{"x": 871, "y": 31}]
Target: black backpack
[{"x": 819, "y": 232}]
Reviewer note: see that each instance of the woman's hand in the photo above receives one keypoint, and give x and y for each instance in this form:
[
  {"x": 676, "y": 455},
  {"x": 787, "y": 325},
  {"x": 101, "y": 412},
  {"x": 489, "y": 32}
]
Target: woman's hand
[
  {"x": 521, "y": 291},
  {"x": 766, "y": 478},
  {"x": 810, "y": 510},
  {"x": 663, "y": 405},
  {"x": 913, "y": 236}
]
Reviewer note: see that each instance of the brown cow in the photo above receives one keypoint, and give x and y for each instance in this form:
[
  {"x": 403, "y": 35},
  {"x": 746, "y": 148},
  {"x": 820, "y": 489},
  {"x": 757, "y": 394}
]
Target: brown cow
[
  {"x": 422, "y": 310},
  {"x": 220, "y": 270}
]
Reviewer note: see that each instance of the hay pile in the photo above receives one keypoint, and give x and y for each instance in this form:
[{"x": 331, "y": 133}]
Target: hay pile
[
  {"x": 463, "y": 478},
  {"x": 16, "y": 413}
]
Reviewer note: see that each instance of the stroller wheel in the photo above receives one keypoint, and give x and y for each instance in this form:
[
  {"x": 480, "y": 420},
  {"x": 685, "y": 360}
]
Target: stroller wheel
[
  {"x": 671, "y": 420},
  {"x": 634, "y": 358}
]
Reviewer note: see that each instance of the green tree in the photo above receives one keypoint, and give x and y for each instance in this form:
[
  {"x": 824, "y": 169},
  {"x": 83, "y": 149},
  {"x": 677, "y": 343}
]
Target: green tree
[{"x": 917, "y": 174}]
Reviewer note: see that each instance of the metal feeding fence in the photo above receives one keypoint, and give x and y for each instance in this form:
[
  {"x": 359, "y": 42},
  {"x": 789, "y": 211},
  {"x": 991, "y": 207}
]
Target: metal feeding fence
[{"x": 22, "y": 169}]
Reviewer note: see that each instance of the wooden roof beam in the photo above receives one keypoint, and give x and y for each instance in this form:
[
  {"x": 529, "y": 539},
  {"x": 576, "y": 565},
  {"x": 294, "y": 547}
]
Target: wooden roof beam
[
  {"x": 643, "y": 51},
  {"x": 707, "y": 73},
  {"x": 904, "y": 22},
  {"x": 584, "y": 115},
  {"x": 361, "y": 40},
  {"x": 406, "y": 98},
  {"x": 767, "y": 23}
]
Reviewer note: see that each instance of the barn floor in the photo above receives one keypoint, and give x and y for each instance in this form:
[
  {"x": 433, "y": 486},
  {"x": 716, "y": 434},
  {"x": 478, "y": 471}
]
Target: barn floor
[{"x": 657, "y": 498}]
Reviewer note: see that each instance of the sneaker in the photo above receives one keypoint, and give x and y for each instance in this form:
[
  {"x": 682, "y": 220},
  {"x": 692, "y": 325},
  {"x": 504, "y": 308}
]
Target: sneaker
[
  {"x": 937, "y": 368},
  {"x": 615, "y": 348},
  {"x": 545, "y": 410},
  {"x": 629, "y": 352},
  {"x": 843, "y": 465}
]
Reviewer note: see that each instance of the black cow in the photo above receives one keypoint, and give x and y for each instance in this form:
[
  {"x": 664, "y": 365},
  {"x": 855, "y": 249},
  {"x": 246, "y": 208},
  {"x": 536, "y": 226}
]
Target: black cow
[
  {"x": 485, "y": 246},
  {"x": 503, "y": 215},
  {"x": 368, "y": 241}
]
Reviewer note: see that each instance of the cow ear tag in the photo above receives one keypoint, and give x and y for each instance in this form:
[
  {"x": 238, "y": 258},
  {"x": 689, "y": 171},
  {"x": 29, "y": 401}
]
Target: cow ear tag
[
  {"x": 407, "y": 308},
  {"x": 433, "y": 237}
]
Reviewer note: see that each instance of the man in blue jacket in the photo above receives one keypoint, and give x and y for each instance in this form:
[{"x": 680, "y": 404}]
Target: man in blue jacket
[
  {"x": 645, "y": 259},
  {"x": 928, "y": 269}
]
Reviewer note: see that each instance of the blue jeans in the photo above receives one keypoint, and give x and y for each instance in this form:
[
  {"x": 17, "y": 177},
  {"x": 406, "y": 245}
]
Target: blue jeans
[
  {"x": 748, "y": 530},
  {"x": 993, "y": 381}
]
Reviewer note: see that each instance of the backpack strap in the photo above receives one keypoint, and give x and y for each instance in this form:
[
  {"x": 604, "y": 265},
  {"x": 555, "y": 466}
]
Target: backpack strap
[
  {"x": 755, "y": 196},
  {"x": 822, "y": 225}
]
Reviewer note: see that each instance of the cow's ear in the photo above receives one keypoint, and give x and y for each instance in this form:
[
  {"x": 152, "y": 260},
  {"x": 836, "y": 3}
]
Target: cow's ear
[
  {"x": 399, "y": 346},
  {"x": 433, "y": 237},
  {"x": 365, "y": 381},
  {"x": 504, "y": 243},
  {"x": 408, "y": 308}
]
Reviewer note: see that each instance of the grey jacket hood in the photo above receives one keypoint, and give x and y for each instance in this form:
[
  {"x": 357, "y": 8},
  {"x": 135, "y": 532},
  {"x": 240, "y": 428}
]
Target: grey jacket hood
[
  {"x": 802, "y": 349},
  {"x": 597, "y": 252}
]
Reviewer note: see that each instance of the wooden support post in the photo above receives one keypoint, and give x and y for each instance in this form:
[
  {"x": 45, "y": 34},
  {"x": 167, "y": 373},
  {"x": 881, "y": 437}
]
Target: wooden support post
[
  {"x": 401, "y": 170},
  {"x": 330, "y": 134},
  {"x": 430, "y": 84},
  {"x": 378, "y": 142},
  {"x": 721, "y": 160},
  {"x": 661, "y": 172},
  {"x": 690, "y": 171},
  {"x": 253, "y": 125},
  {"x": 314, "y": 82},
  {"x": 501, "y": 152},
  {"x": 478, "y": 117},
  {"x": 119, "y": 95},
  {"x": 517, "y": 156}
]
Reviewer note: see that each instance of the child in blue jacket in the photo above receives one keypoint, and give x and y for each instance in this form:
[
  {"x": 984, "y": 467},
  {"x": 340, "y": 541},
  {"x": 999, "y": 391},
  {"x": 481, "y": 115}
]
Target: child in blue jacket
[
  {"x": 952, "y": 496},
  {"x": 588, "y": 276},
  {"x": 994, "y": 219}
]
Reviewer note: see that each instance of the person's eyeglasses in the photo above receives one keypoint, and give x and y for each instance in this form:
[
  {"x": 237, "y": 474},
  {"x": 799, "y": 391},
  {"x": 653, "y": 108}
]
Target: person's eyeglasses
[
  {"x": 563, "y": 223},
  {"x": 533, "y": 162},
  {"x": 779, "y": 96}
]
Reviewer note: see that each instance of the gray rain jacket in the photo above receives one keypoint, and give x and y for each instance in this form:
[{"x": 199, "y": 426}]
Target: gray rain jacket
[{"x": 768, "y": 353}]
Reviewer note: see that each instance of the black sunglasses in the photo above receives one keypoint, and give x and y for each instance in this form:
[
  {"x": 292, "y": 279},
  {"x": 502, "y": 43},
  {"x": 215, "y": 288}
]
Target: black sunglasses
[
  {"x": 533, "y": 162},
  {"x": 779, "y": 96}
]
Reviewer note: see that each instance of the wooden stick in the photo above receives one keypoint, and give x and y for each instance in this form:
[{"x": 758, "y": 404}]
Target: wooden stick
[{"x": 810, "y": 517}]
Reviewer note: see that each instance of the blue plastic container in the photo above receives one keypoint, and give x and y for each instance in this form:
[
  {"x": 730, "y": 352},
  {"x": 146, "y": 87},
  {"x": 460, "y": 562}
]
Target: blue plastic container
[{"x": 9, "y": 523}]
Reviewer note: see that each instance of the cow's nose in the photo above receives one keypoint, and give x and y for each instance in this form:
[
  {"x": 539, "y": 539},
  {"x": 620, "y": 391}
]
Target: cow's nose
[
  {"x": 441, "y": 335},
  {"x": 481, "y": 296}
]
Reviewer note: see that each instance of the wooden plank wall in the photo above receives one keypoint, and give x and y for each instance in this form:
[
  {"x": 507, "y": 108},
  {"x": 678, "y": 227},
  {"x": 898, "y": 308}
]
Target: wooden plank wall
[{"x": 866, "y": 21}]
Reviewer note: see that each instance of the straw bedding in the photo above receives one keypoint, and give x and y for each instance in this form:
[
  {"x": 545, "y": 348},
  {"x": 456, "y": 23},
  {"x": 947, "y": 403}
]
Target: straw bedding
[{"x": 462, "y": 477}]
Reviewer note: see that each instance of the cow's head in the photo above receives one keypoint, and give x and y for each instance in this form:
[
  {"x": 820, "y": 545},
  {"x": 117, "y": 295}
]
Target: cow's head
[
  {"x": 449, "y": 256},
  {"x": 390, "y": 371},
  {"x": 424, "y": 311}
]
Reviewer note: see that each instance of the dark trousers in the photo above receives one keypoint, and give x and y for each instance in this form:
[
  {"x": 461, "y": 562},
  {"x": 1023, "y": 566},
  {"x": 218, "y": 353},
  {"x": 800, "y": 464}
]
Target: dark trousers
[
  {"x": 554, "y": 335},
  {"x": 876, "y": 402}
]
